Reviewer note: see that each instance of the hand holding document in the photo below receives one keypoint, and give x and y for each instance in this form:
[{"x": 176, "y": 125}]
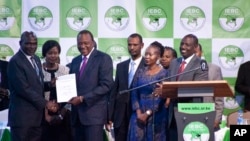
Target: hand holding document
[{"x": 66, "y": 87}]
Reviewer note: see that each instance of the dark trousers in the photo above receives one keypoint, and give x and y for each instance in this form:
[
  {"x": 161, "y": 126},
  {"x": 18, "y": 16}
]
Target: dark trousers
[
  {"x": 172, "y": 131},
  {"x": 26, "y": 133},
  {"x": 121, "y": 132},
  {"x": 88, "y": 132}
]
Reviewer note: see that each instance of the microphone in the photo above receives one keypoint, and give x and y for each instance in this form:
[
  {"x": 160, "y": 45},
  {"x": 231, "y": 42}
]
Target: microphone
[{"x": 203, "y": 66}]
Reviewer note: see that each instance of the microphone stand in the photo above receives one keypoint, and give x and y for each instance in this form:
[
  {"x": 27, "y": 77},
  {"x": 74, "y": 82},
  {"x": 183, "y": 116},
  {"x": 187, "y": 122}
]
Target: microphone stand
[
  {"x": 153, "y": 119},
  {"x": 157, "y": 81},
  {"x": 203, "y": 67}
]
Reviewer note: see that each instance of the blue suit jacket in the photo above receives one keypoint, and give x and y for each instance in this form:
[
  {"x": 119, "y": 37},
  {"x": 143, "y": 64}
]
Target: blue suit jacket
[
  {"x": 27, "y": 98},
  {"x": 94, "y": 85}
]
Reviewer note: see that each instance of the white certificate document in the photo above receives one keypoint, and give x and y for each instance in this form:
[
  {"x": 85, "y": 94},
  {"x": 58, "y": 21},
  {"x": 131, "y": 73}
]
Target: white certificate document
[{"x": 66, "y": 87}]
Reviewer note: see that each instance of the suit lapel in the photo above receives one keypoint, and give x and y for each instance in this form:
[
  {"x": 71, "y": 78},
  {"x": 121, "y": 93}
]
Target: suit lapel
[
  {"x": 189, "y": 67},
  {"x": 78, "y": 65},
  {"x": 125, "y": 72},
  {"x": 177, "y": 67},
  {"x": 30, "y": 66}
]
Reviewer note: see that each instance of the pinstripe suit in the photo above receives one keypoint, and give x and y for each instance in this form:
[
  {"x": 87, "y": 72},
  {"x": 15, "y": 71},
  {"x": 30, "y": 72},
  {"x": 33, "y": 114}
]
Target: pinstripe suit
[{"x": 195, "y": 75}]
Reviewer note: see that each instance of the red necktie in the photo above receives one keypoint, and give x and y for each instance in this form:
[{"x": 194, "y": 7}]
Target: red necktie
[
  {"x": 84, "y": 62},
  {"x": 181, "y": 69}
]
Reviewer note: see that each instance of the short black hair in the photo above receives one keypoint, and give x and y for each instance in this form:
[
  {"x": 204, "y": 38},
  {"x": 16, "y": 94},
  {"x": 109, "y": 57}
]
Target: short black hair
[
  {"x": 136, "y": 35},
  {"x": 195, "y": 39},
  {"x": 86, "y": 32},
  {"x": 159, "y": 46},
  {"x": 25, "y": 35},
  {"x": 50, "y": 44},
  {"x": 173, "y": 51}
]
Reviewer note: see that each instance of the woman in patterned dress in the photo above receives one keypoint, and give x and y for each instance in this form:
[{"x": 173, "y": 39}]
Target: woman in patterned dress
[{"x": 148, "y": 121}]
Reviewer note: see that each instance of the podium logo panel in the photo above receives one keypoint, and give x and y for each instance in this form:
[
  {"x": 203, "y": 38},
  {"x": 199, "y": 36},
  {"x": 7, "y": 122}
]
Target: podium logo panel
[{"x": 196, "y": 131}]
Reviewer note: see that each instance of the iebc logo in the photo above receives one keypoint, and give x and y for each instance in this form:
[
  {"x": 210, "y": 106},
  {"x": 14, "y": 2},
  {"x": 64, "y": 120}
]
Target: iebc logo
[
  {"x": 78, "y": 18},
  {"x": 40, "y": 18},
  {"x": 154, "y": 18},
  {"x": 7, "y": 18}
]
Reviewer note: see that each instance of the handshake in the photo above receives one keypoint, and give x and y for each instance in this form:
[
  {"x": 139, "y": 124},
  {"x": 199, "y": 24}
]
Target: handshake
[{"x": 52, "y": 106}]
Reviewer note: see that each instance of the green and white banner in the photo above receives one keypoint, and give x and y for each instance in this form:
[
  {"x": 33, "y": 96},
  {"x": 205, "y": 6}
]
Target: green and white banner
[{"x": 222, "y": 27}]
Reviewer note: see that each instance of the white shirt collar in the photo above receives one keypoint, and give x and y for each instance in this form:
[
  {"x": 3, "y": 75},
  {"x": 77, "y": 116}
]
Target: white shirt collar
[
  {"x": 187, "y": 60},
  {"x": 137, "y": 63}
]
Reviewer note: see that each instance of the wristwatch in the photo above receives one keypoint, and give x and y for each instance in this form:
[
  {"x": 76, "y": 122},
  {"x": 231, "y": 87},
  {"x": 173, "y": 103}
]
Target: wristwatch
[{"x": 148, "y": 112}]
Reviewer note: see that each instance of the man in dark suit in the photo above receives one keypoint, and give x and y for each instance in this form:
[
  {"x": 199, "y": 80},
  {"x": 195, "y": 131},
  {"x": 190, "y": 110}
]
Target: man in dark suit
[
  {"x": 188, "y": 46},
  {"x": 4, "y": 92},
  {"x": 119, "y": 106},
  {"x": 94, "y": 79},
  {"x": 27, "y": 101},
  {"x": 242, "y": 84}
]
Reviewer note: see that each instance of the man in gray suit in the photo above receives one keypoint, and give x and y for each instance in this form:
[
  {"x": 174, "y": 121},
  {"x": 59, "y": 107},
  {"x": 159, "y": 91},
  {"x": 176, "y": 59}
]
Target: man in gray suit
[
  {"x": 27, "y": 100},
  {"x": 214, "y": 73},
  {"x": 94, "y": 79},
  {"x": 188, "y": 46},
  {"x": 119, "y": 106}
]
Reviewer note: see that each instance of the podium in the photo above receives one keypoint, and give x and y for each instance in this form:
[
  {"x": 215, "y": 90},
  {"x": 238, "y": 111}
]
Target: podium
[
  {"x": 218, "y": 88},
  {"x": 195, "y": 120}
]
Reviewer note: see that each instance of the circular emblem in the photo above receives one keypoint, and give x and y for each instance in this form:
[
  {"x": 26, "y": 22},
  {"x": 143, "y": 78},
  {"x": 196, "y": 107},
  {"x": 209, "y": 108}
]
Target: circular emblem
[
  {"x": 5, "y": 52},
  {"x": 230, "y": 57},
  {"x": 118, "y": 53},
  {"x": 78, "y": 18},
  {"x": 7, "y": 18},
  {"x": 192, "y": 18},
  {"x": 116, "y": 18},
  {"x": 40, "y": 18},
  {"x": 196, "y": 131},
  {"x": 154, "y": 18},
  {"x": 231, "y": 18},
  {"x": 71, "y": 53}
]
